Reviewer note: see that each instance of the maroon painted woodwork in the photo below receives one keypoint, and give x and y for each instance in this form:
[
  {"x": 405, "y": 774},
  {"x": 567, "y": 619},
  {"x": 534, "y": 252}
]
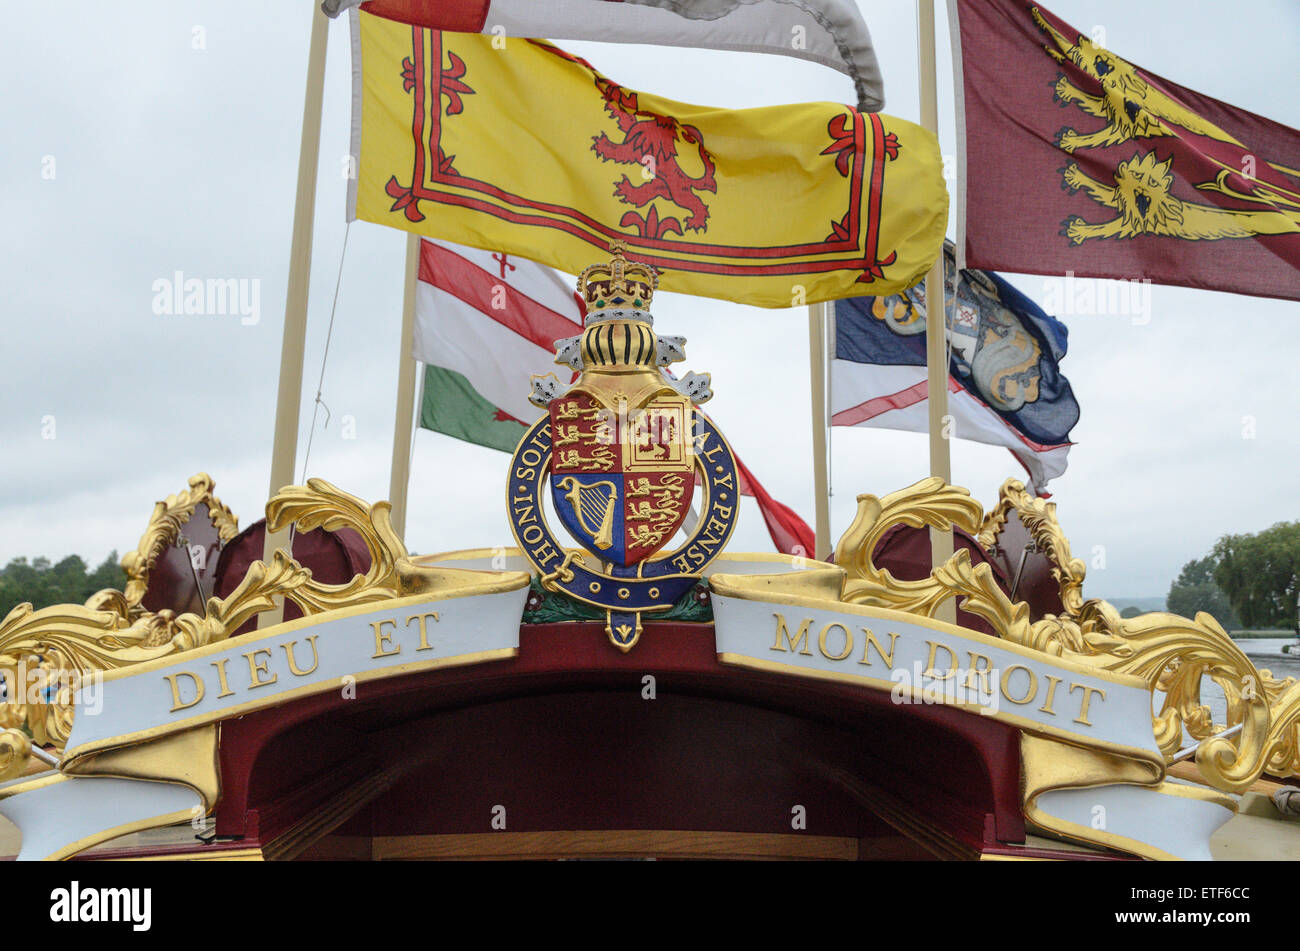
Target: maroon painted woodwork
[
  {"x": 1037, "y": 587},
  {"x": 905, "y": 552},
  {"x": 183, "y": 578},
  {"x": 562, "y": 737},
  {"x": 333, "y": 557}
]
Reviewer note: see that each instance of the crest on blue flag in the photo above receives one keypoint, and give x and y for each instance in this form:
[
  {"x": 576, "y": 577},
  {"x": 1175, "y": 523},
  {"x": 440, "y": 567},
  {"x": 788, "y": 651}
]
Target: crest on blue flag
[{"x": 1005, "y": 352}]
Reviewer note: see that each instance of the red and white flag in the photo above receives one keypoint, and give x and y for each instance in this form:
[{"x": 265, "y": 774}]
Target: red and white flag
[
  {"x": 493, "y": 318},
  {"x": 829, "y": 32},
  {"x": 895, "y": 397},
  {"x": 484, "y": 323}
]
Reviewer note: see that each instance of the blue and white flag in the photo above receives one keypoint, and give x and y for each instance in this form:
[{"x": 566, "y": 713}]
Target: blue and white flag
[{"x": 1005, "y": 383}]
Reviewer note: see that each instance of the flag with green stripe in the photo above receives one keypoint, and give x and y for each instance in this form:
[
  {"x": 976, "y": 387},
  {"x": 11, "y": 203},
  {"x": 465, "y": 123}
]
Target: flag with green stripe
[
  {"x": 452, "y": 406},
  {"x": 484, "y": 323}
]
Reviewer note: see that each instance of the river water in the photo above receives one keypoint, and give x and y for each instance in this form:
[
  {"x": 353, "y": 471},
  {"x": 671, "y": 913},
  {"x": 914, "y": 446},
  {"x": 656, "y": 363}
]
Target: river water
[{"x": 1266, "y": 654}]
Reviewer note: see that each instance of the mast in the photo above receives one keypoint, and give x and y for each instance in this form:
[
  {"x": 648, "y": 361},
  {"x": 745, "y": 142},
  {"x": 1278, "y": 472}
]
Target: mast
[
  {"x": 936, "y": 305},
  {"x": 821, "y": 479},
  {"x": 400, "y": 476},
  {"x": 288, "y": 404}
]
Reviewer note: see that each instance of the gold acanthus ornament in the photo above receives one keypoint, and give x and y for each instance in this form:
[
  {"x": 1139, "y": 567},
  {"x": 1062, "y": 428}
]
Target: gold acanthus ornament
[
  {"x": 1039, "y": 518},
  {"x": 1171, "y": 653},
  {"x": 164, "y": 529},
  {"x": 58, "y": 646}
]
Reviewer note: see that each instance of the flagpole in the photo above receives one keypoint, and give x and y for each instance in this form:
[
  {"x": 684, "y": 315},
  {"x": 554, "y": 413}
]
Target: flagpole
[
  {"x": 288, "y": 403},
  {"x": 936, "y": 338},
  {"x": 400, "y": 476},
  {"x": 821, "y": 487}
]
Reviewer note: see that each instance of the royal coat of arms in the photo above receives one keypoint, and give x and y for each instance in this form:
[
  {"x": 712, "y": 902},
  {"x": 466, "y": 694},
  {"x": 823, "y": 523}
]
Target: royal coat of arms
[{"x": 621, "y": 453}]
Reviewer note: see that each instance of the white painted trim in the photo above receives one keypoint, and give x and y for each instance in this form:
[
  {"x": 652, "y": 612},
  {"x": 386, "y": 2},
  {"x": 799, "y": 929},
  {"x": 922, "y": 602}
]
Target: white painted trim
[
  {"x": 1179, "y": 826},
  {"x": 53, "y": 818}
]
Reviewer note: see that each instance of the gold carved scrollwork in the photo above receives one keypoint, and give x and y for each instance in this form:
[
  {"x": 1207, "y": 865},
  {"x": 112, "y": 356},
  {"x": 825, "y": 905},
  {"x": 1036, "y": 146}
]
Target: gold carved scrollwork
[
  {"x": 930, "y": 502},
  {"x": 165, "y": 524},
  {"x": 319, "y": 504},
  {"x": 1174, "y": 654},
  {"x": 256, "y": 593},
  {"x": 1039, "y": 518},
  {"x": 45, "y": 654},
  {"x": 15, "y": 749},
  {"x": 1171, "y": 653}
]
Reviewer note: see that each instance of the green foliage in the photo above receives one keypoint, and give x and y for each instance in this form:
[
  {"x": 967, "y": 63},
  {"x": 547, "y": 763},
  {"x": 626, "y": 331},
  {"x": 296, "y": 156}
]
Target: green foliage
[
  {"x": 1261, "y": 575},
  {"x": 1200, "y": 571},
  {"x": 1209, "y": 598},
  {"x": 1196, "y": 590},
  {"x": 1131, "y": 611},
  {"x": 67, "y": 582}
]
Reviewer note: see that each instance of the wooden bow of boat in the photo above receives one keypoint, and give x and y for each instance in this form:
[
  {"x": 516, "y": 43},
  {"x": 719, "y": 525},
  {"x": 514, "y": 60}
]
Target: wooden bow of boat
[{"x": 454, "y": 707}]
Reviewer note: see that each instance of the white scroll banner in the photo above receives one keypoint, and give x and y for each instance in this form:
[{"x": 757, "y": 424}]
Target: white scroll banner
[
  {"x": 60, "y": 815},
  {"x": 340, "y": 650},
  {"x": 1171, "y": 821},
  {"x": 919, "y": 660}
]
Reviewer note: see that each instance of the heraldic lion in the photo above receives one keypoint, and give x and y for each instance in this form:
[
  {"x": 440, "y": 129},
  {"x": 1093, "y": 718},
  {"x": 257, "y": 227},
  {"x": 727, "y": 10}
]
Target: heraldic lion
[
  {"x": 1131, "y": 106},
  {"x": 650, "y": 136},
  {"x": 1141, "y": 196}
]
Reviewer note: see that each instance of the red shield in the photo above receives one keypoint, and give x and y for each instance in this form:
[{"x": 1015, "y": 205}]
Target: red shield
[{"x": 622, "y": 480}]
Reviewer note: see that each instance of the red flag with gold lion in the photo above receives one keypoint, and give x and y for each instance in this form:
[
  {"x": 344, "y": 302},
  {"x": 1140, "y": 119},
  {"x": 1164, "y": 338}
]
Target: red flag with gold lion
[{"x": 1079, "y": 161}]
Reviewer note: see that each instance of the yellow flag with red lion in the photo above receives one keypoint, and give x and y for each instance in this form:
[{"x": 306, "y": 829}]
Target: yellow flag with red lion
[{"x": 531, "y": 151}]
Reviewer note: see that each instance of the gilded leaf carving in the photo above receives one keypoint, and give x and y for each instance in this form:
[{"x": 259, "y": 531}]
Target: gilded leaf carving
[{"x": 1172, "y": 654}]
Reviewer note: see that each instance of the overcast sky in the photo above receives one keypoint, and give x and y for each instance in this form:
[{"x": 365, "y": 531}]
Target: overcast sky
[{"x": 143, "y": 139}]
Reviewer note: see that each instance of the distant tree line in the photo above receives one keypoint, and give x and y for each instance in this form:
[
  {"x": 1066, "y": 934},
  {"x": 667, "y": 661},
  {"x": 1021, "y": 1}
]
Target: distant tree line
[
  {"x": 1195, "y": 589},
  {"x": 1246, "y": 581},
  {"x": 68, "y": 582},
  {"x": 1261, "y": 574}
]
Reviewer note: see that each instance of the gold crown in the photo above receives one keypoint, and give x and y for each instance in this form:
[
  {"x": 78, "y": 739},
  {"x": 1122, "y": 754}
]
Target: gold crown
[{"x": 619, "y": 285}]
